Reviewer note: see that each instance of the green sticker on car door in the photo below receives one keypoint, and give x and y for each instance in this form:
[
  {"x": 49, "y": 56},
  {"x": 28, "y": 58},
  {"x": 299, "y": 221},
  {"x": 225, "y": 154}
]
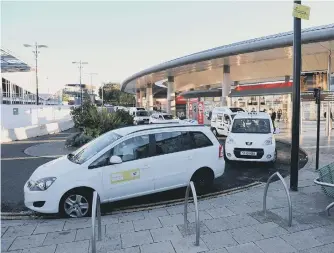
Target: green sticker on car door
[{"x": 123, "y": 176}]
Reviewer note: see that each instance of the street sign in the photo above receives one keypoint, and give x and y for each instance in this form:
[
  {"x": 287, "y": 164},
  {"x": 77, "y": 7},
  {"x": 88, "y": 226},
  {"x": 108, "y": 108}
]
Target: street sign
[{"x": 301, "y": 11}]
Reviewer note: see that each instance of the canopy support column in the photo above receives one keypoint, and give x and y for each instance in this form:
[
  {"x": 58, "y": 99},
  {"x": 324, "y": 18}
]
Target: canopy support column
[
  {"x": 226, "y": 85},
  {"x": 171, "y": 96},
  {"x": 149, "y": 97}
]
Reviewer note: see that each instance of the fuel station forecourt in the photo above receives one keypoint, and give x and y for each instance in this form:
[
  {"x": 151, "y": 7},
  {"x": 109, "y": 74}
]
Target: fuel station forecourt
[{"x": 256, "y": 73}]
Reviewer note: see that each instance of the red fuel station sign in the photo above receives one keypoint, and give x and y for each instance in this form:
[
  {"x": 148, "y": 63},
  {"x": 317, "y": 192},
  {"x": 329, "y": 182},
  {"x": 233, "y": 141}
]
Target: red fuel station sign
[{"x": 200, "y": 116}]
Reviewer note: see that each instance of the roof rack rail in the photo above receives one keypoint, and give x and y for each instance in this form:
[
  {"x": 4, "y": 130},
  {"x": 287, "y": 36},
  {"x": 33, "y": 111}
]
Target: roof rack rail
[{"x": 164, "y": 127}]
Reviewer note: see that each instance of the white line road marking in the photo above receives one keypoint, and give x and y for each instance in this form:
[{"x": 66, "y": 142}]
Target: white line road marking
[
  {"x": 27, "y": 142},
  {"x": 29, "y": 157}
]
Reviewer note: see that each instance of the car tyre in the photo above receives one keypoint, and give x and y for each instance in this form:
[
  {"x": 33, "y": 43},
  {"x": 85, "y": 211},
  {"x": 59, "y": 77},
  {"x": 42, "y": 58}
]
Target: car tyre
[
  {"x": 227, "y": 161},
  {"x": 273, "y": 162},
  {"x": 76, "y": 204},
  {"x": 203, "y": 180}
]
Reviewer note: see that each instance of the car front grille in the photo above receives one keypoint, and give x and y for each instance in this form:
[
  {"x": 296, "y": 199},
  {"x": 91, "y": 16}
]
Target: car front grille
[{"x": 259, "y": 152}]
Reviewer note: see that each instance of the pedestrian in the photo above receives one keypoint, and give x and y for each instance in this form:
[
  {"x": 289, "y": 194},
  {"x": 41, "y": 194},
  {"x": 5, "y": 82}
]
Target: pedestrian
[
  {"x": 273, "y": 118},
  {"x": 279, "y": 115}
]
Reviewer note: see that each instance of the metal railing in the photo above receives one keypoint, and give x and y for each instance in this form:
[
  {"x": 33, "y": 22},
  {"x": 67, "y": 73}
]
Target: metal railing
[
  {"x": 286, "y": 191},
  {"x": 193, "y": 190},
  {"x": 96, "y": 211}
]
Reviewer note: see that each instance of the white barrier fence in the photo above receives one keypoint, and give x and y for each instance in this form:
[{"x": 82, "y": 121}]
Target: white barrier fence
[
  {"x": 22, "y": 133},
  {"x": 17, "y": 116}
]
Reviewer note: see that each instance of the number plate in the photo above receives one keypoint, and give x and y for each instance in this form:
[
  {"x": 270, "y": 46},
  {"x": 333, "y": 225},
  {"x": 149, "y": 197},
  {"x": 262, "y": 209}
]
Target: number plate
[{"x": 248, "y": 153}]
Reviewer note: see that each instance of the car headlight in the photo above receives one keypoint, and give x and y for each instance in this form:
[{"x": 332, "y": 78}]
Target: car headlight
[
  {"x": 269, "y": 141},
  {"x": 41, "y": 184},
  {"x": 230, "y": 141}
]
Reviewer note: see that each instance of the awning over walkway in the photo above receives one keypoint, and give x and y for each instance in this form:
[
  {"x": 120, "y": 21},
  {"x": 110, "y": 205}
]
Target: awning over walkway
[
  {"x": 202, "y": 93},
  {"x": 263, "y": 89}
]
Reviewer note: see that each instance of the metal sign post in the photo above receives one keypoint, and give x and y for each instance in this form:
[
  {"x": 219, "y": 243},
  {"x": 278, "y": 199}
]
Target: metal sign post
[
  {"x": 317, "y": 96},
  {"x": 297, "y": 60}
]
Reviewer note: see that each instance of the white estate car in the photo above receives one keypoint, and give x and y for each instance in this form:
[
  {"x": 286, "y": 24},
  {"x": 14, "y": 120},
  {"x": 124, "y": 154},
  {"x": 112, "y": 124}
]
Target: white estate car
[
  {"x": 125, "y": 163},
  {"x": 162, "y": 118},
  {"x": 251, "y": 138}
]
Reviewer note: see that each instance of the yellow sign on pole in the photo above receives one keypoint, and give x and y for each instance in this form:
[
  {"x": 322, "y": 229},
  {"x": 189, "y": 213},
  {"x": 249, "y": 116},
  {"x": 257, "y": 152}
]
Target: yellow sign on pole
[{"x": 301, "y": 11}]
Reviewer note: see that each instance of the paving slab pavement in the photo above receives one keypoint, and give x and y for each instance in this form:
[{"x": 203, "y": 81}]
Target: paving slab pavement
[{"x": 231, "y": 223}]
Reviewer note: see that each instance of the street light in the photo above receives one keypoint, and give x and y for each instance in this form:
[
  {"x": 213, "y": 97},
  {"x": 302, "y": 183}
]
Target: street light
[
  {"x": 36, "y": 52},
  {"x": 80, "y": 63},
  {"x": 91, "y": 80}
]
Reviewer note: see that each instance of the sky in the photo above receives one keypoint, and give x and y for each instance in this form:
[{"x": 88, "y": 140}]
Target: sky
[{"x": 118, "y": 39}]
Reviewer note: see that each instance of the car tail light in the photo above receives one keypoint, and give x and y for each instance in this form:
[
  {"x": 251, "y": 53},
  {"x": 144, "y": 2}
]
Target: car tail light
[{"x": 221, "y": 151}]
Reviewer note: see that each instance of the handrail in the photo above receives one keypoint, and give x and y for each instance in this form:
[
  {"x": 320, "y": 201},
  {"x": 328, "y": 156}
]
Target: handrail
[
  {"x": 192, "y": 187},
  {"x": 96, "y": 211},
  {"x": 286, "y": 191}
]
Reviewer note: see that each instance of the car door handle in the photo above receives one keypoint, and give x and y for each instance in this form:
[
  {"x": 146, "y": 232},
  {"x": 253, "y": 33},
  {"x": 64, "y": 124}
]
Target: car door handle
[
  {"x": 190, "y": 157},
  {"x": 145, "y": 167}
]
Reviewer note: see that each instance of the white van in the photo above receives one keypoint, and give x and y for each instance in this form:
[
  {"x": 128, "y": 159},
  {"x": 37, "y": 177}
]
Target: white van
[
  {"x": 125, "y": 163},
  {"x": 132, "y": 110},
  {"x": 141, "y": 117},
  {"x": 251, "y": 138},
  {"x": 221, "y": 119}
]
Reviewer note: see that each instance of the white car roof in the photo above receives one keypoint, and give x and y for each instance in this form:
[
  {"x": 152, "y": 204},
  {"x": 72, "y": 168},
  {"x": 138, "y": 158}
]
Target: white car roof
[
  {"x": 131, "y": 129},
  {"x": 247, "y": 115}
]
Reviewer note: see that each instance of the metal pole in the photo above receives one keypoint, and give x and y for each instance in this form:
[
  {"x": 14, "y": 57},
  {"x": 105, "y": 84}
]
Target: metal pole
[
  {"x": 296, "y": 103},
  {"x": 36, "y": 70},
  {"x": 329, "y": 70},
  {"x": 80, "y": 67},
  {"x": 102, "y": 93},
  {"x": 318, "y": 128}
]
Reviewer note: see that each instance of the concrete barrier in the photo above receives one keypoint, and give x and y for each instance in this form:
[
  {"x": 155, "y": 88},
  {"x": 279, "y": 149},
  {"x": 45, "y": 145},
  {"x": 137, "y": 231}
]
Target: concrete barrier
[{"x": 22, "y": 133}]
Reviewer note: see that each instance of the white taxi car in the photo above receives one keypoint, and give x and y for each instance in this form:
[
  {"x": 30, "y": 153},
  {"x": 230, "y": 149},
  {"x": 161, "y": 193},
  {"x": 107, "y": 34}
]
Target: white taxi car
[
  {"x": 162, "y": 118},
  {"x": 125, "y": 163},
  {"x": 251, "y": 138}
]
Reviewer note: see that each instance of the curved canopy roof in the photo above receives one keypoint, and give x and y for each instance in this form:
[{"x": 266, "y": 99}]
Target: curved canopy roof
[{"x": 243, "y": 57}]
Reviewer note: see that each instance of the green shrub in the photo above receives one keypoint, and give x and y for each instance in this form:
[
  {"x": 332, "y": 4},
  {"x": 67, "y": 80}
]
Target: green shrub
[
  {"x": 77, "y": 140},
  {"x": 92, "y": 123}
]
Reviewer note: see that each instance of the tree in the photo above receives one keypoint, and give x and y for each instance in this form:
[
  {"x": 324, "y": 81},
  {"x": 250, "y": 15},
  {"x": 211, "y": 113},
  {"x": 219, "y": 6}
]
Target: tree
[{"x": 112, "y": 94}]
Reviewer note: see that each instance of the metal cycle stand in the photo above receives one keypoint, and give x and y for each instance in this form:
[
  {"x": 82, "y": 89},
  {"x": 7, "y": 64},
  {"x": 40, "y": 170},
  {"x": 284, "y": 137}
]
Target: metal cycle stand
[
  {"x": 193, "y": 190},
  {"x": 96, "y": 211},
  {"x": 286, "y": 191}
]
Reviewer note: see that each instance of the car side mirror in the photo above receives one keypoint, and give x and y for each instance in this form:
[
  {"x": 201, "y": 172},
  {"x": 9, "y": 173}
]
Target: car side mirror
[{"x": 115, "y": 160}]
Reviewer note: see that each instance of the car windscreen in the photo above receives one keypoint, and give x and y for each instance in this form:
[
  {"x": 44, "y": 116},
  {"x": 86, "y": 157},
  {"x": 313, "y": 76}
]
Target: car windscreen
[
  {"x": 236, "y": 109},
  {"x": 251, "y": 125},
  {"x": 93, "y": 147},
  {"x": 142, "y": 113},
  {"x": 168, "y": 117}
]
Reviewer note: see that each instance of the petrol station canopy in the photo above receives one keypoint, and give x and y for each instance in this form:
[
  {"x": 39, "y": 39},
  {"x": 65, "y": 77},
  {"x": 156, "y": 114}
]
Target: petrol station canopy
[{"x": 265, "y": 58}]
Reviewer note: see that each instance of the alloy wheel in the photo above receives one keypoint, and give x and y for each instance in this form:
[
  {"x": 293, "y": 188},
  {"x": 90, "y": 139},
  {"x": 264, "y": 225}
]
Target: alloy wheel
[{"x": 76, "y": 206}]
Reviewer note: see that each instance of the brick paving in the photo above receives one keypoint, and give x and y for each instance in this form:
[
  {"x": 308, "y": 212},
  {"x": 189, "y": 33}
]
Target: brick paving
[{"x": 232, "y": 223}]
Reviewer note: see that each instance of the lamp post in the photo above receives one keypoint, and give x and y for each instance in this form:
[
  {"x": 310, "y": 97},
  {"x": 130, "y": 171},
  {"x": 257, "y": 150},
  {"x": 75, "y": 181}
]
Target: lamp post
[
  {"x": 91, "y": 80},
  {"x": 102, "y": 92},
  {"x": 80, "y": 63},
  {"x": 36, "y": 52}
]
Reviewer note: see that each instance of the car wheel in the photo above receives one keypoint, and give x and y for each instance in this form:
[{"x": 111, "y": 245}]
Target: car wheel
[
  {"x": 76, "y": 204},
  {"x": 228, "y": 161},
  {"x": 203, "y": 180},
  {"x": 272, "y": 162}
]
